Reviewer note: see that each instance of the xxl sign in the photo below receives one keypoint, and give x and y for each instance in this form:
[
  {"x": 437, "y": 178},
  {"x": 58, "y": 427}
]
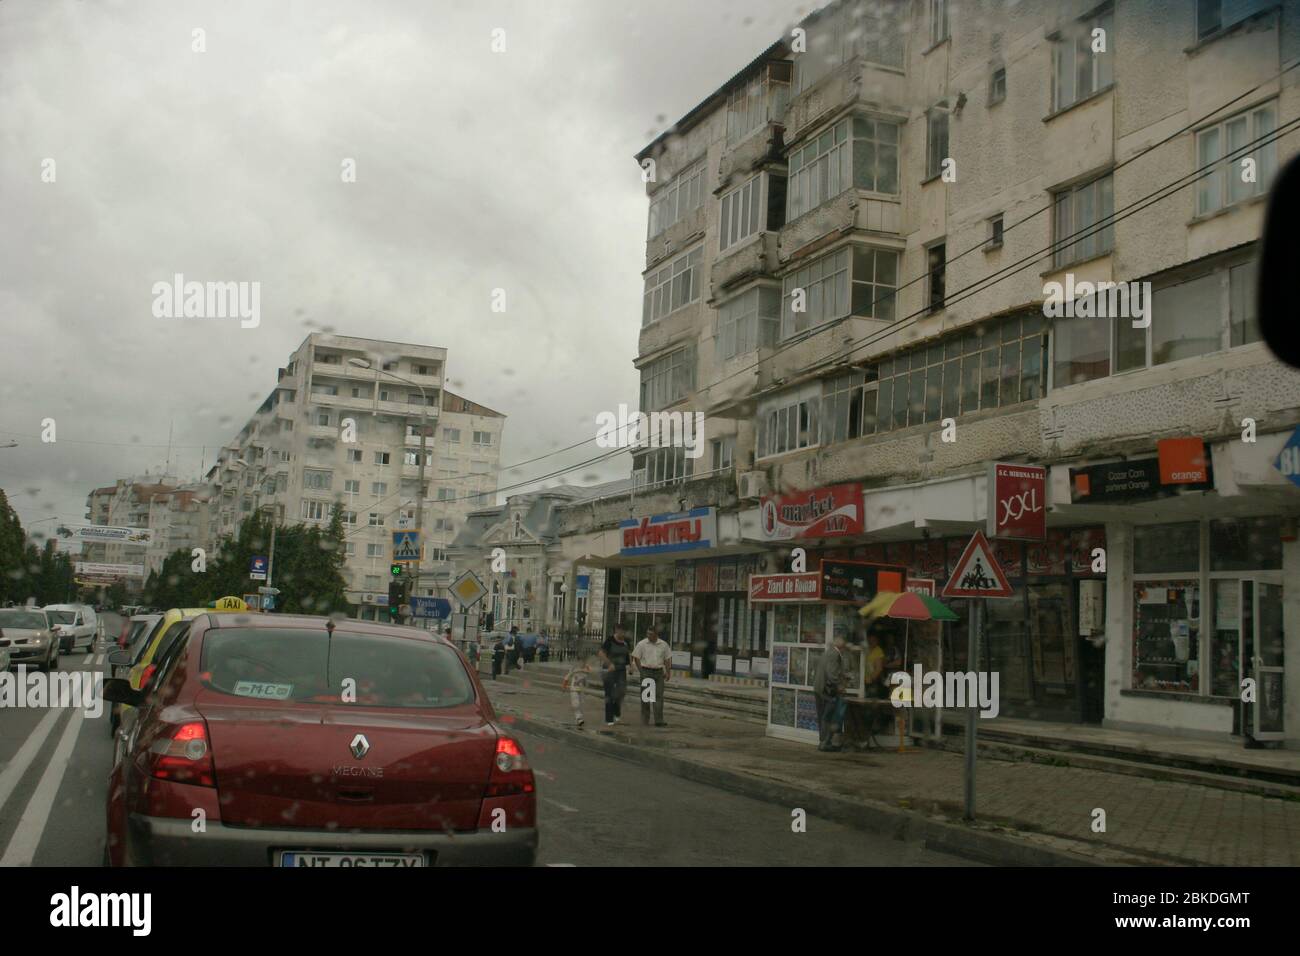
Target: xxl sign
[
  {"x": 818, "y": 513},
  {"x": 666, "y": 534},
  {"x": 1017, "y": 501}
]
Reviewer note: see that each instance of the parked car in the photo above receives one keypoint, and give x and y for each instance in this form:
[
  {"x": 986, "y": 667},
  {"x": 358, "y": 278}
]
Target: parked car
[
  {"x": 243, "y": 719},
  {"x": 27, "y": 637},
  {"x": 77, "y": 625}
]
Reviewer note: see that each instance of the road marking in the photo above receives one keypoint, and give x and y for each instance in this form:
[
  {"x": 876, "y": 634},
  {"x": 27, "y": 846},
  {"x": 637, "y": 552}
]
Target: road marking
[
  {"x": 30, "y": 829},
  {"x": 99, "y": 659},
  {"x": 561, "y": 864},
  {"x": 565, "y": 807},
  {"x": 15, "y": 769}
]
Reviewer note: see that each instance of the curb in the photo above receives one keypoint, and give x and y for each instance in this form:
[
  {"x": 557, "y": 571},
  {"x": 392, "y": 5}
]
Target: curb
[{"x": 984, "y": 843}]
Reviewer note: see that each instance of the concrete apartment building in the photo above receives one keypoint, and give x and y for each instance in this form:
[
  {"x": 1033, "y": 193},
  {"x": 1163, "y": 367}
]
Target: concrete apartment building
[
  {"x": 341, "y": 429},
  {"x": 834, "y": 270},
  {"x": 177, "y": 514}
]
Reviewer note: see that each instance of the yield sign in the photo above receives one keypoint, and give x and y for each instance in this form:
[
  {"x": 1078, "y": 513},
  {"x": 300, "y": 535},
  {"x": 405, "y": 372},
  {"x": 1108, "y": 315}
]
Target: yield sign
[{"x": 978, "y": 574}]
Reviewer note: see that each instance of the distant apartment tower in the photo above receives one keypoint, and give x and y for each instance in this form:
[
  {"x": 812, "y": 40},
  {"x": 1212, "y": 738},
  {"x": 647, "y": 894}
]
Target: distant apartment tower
[{"x": 341, "y": 429}]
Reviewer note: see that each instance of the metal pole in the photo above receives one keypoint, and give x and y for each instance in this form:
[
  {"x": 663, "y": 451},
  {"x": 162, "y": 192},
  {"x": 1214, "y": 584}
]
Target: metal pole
[
  {"x": 419, "y": 501},
  {"x": 972, "y": 715}
]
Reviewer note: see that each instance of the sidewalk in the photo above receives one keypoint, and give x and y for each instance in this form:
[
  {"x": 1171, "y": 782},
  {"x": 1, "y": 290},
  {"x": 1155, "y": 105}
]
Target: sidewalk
[{"x": 1027, "y": 812}]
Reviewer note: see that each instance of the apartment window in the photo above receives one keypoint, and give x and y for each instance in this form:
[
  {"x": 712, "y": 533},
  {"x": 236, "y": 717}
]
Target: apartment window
[
  {"x": 322, "y": 418},
  {"x": 375, "y": 550},
  {"x": 740, "y": 213},
  {"x": 391, "y": 366},
  {"x": 936, "y": 138},
  {"x": 411, "y": 458},
  {"x": 446, "y": 472},
  {"x": 675, "y": 284},
  {"x": 384, "y": 395},
  {"x": 381, "y": 458},
  {"x": 662, "y": 465},
  {"x": 421, "y": 398},
  {"x": 672, "y": 202},
  {"x": 376, "y": 520},
  {"x": 757, "y": 101},
  {"x": 451, "y": 435},
  {"x": 668, "y": 379},
  {"x": 722, "y": 452},
  {"x": 350, "y": 548},
  {"x": 832, "y": 291},
  {"x": 379, "y": 488},
  {"x": 749, "y": 321},
  {"x": 1078, "y": 72},
  {"x": 789, "y": 422},
  {"x": 844, "y": 414},
  {"x": 1080, "y": 210},
  {"x": 317, "y": 480},
  {"x": 483, "y": 439},
  {"x": 480, "y": 468},
  {"x": 327, "y": 358},
  {"x": 320, "y": 444},
  {"x": 936, "y": 265},
  {"x": 991, "y": 366},
  {"x": 1243, "y": 317},
  {"x": 859, "y": 152},
  {"x": 869, "y": 30},
  {"x": 324, "y": 389},
  {"x": 998, "y": 86},
  {"x": 446, "y": 494},
  {"x": 1222, "y": 145},
  {"x": 938, "y": 21},
  {"x": 350, "y": 518},
  {"x": 315, "y": 510},
  {"x": 875, "y": 155},
  {"x": 352, "y": 487},
  {"x": 423, "y": 370},
  {"x": 356, "y": 393},
  {"x": 442, "y": 524},
  {"x": 1209, "y": 17},
  {"x": 354, "y": 455},
  {"x": 995, "y": 233}
]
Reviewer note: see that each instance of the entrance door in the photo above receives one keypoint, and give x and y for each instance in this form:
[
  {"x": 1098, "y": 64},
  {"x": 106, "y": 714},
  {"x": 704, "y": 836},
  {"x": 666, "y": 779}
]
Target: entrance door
[{"x": 1261, "y": 655}]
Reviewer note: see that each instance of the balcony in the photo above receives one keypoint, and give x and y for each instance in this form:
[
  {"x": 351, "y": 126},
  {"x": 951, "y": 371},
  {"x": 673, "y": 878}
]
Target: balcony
[
  {"x": 406, "y": 409},
  {"x": 756, "y": 256}
]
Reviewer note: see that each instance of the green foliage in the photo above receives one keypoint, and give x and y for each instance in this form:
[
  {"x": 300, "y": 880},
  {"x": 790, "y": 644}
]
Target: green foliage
[{"x": 26, "y": 571}]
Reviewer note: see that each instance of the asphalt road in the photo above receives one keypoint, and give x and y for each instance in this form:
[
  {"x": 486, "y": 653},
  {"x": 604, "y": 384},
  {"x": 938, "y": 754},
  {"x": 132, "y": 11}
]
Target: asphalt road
[{"x": 594, "y": 810}]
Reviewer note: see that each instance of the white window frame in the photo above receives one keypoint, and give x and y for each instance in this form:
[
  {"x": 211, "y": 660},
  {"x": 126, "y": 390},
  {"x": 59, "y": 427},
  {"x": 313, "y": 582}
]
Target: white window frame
[
  {"x": 780, "y": 418},
  {"x": 1067, "y": 50},
  {"x": 747, "y": 322},
  {"x": 937, "y": 148},
  {"x": 1068, "y": 205},
  {"x": 668, "y": 379},
  {"x": 740, "y": 213},
  {"x": 662, "y": 296},
  {"x": 1215, "y": 186},
  {"x": 683, "y": 194},
  {"x": 938, "y": 21}
]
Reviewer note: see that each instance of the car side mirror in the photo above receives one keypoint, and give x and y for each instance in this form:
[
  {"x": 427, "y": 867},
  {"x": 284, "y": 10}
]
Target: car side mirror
[
  {"x": 119, "y": 658},
  {"x": 119, "y": 691}
]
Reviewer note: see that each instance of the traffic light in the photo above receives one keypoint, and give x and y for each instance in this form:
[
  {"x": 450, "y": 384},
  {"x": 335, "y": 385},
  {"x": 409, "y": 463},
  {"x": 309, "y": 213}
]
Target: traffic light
[
  {"x": 395, "y": 570},
  {"x": 396, "y": 591}
]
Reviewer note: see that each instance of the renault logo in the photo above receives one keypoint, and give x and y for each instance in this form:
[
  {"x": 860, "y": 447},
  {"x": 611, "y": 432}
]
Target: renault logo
[{"x": 360, "y": 746}]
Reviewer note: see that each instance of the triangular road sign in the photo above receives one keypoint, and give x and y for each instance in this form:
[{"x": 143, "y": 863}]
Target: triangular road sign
[
  {"x": 978, "y": 574},
  {"x": 406, "y": 546}
]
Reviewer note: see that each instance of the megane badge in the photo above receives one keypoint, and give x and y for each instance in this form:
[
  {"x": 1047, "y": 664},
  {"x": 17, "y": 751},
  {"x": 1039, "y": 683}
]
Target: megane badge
[{"x": 360, "y": 746}]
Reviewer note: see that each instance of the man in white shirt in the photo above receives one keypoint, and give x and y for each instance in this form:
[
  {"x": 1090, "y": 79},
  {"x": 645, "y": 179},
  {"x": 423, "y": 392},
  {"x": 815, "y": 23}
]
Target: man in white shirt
[{"x": 653, "y": 659}]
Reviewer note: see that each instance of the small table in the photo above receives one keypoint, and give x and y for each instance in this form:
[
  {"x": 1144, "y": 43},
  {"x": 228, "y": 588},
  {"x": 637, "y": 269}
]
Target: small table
[{"x": 862, "y": 720}]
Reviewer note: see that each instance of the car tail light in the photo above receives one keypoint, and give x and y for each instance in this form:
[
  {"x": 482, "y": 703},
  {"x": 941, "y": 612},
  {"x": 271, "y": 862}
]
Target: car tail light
[
  {"x": 147, "y": 675},
  {"x": 510, "y": 771},
  {"x": 184, "y": 757}
]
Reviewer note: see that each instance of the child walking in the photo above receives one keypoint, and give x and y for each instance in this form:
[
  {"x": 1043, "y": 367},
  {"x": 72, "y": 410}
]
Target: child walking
[{"x": 575, "y": 682}]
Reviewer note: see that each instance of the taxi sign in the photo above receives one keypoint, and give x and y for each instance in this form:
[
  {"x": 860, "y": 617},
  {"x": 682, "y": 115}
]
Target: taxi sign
[
  {"x": 977, "y": 574},
  {"x": 468, "y": 589},
  {"x": 229, "y": 603}
]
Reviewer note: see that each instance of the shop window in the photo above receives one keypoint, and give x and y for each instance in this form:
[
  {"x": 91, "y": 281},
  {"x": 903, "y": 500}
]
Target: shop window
[
  {"x": 1185, "y": 319},
  {"x": 1164, "y": 548},
  {"x": 1249, "y": 544},
  {"x": 1225, "y": 637},
  {"x": 1166, "y": 635}
]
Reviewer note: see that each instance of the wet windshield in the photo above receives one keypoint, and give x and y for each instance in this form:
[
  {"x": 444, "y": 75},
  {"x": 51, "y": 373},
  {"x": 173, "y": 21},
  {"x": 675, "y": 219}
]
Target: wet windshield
[{"x": 22, "y": 619}]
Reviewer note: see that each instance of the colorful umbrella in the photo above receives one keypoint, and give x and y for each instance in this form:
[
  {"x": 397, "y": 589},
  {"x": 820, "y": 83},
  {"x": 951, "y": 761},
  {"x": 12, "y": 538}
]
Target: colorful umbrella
[{"x": 908, "y": 606}]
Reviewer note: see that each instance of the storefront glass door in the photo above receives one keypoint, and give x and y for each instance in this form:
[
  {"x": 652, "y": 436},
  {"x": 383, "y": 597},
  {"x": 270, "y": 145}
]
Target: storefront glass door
[{"x": 1264, "y": 656}]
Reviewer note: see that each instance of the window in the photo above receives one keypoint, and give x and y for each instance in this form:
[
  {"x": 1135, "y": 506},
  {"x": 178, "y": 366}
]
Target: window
[
  {"x": 1079, "y": 211},
  {"x": 938, "y": 21},
  {"x": 1186, "y": 319},
  {"x": 483, "y": 439},
  {"x": 672, "y": 286},
  {"x": 1242, "y": 317},
  {"x": 869, "y": 30},
  {"x": 859, "y": 152},
  {"x": 1209, "y": 17},
  {"x": 843, "y": 414},
  {"x": 662, "y": 465},
  {"x": 875, "y": 155},
  {"x": 668, "y": 379},
  {"x": 789, "y": 422},
  {"x": 1078, "y": 72},
  {"x": 412, "y": 458},
  {"x": 376, "y": 520},
  {"x": 673, "y": 201},
  {"x": 423, "y": 370},
  {"x": 384, "y": 395},
  {"x": 379, "y": 488},
  {"x": 749, "y": 321},
  {"x": 557, "y": 600},
  {"x": 324, "y": 389},
  {"x": 372, "y": 582},
  {"x": 759, "y": 100},
  {"x": 350, "y": 518},
  {"x": 354, "y": 455},
  {"x": 375, "y": 550},
  {"x": 323, "y": 418},
  {"x": 350, "y": 548},
  {"x": 480, "y": 467},
  {"x": 451, "y": 435},
  {"x": 740, "y": 213},
  {"x": 381, "y": 458},
  {"x": 995, "y": 233},
  {"x": 936, "y": 264},
  {"x": 317, "y": 480},
  {"x": 722, "y": 452},
  {"x": 327, "y": 358},
  {"x": 936, "y": 138},
  {"x": 1223, "y": 145},
  {"x": 442, "y": 524},
  {"x": 830, "y": 292},
  {"x": 998, "y": 86},
  {"x": 314, "y": 510},
  {"x": 446, "y": 494}
]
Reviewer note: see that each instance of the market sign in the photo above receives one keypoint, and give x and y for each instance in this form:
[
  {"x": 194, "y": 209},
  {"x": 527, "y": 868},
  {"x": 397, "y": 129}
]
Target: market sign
[
  {"x": 1125, "y": 481},
  {"x": 856, "y": 582},
  {"x": 785, "y": 587},
  {"x": 108, "y": 570},
  {"x": 1017, "y": 501},
  {"x": 819, "y": 513},
  {"x": 668, "y": 533},
  {"x": 104, "y": 533},
  {"x": 1183, "y": 461}
]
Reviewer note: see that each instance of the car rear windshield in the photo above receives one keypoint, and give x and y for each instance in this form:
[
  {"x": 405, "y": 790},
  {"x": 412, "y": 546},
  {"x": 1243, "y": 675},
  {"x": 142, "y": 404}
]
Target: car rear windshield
[
  {"x": 22, "y": 619},
  {"x": 347, "y": 668}
]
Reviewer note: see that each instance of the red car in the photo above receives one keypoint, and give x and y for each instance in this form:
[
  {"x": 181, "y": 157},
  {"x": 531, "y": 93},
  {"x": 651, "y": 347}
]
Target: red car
[{"x": 278, "y": 740}]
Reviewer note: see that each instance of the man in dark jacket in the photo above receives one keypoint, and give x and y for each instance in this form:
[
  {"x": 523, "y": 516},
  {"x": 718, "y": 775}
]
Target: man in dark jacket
[{"x": 828, "y": 685}]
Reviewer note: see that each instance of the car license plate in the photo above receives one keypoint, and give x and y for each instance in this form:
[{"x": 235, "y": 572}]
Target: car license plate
[{"x": 309, "y": 858}]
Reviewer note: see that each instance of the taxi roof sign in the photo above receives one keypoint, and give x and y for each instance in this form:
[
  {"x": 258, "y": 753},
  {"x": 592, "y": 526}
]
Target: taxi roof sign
[{"x": 228, "y": 603}]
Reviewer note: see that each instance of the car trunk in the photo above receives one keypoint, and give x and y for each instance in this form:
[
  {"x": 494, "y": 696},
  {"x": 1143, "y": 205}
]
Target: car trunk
[{"x": 289, "y": 764}]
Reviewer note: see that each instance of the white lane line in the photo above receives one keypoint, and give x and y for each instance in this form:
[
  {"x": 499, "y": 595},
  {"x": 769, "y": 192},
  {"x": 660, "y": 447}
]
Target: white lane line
[
  {"x": 565, "y": 807},
  {"x": 15, "y": 769},
  {"x": 31, "y": 827},
  {"x": 99, "y": 659}
]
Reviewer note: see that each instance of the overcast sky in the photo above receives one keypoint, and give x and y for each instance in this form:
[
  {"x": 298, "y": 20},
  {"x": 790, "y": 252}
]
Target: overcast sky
[{"x": 475, "y": 170}]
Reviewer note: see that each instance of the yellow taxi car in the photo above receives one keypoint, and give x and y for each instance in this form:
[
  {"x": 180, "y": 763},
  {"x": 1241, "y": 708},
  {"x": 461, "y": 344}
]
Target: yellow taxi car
[{"x": 174, "y": 624}]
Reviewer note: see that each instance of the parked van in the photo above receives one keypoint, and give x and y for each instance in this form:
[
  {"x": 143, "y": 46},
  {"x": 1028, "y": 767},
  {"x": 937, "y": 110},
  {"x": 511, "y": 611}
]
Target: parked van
[{"x": 77, "y": 623}]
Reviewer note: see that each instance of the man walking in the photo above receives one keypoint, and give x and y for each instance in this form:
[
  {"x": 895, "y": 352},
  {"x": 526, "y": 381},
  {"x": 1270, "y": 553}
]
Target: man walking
[
  {"x": 653, "y": 663},
  {"x": 827, "y": 687},
  {"x": 614, "y": 657}
]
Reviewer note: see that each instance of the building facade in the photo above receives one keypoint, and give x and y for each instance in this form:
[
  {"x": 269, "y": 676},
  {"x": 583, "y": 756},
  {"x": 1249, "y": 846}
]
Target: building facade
[{"x": 873, "y": 261}]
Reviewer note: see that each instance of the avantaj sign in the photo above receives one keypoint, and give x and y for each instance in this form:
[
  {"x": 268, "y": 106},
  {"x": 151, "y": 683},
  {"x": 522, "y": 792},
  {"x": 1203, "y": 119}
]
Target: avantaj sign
[{"x": 665, "y": 534}]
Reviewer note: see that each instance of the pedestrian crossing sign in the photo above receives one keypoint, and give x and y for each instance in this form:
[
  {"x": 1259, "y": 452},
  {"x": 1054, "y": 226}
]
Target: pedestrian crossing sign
[
  {"x": 977, "y": 574},
  {"x": 406, "y": 546}
]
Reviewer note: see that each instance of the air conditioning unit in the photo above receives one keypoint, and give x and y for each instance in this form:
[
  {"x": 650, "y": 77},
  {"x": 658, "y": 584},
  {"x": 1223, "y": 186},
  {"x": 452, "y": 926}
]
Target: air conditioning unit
[
  {"x": 367, "y": 599},
  {"x": 751, "y": 484}
]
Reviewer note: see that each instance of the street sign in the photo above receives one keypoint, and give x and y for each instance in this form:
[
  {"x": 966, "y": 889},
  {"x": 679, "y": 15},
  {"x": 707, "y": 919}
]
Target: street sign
[
  {"x": 977, "y": 574},
  {"x": 430, "y": 607},
  {"x": 257, "y": 568},
  {"x": 468, "y": 589},
  {"x": 95, "y": 569},
  {"x": 921, "y": 585},
  {"x": 1288, "y": 459},
  {"x": 406, "y": 546}
]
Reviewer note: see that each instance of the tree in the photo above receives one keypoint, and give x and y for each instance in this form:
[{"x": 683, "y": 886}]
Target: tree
[{"x": 12, "y": 568}]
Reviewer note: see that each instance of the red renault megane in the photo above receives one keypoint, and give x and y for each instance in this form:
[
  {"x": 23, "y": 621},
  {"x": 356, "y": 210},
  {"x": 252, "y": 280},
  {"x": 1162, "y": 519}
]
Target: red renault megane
[{"x": 270, "y": 740}]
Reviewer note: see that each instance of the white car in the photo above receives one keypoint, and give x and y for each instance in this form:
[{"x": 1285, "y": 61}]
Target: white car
[
  {"x": 26, "y": 637},
  {"x": 77, "y": 625}
]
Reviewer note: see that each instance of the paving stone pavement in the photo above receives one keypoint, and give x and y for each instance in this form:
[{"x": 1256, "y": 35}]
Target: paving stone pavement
[{"x": 1148, "y": 821}]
